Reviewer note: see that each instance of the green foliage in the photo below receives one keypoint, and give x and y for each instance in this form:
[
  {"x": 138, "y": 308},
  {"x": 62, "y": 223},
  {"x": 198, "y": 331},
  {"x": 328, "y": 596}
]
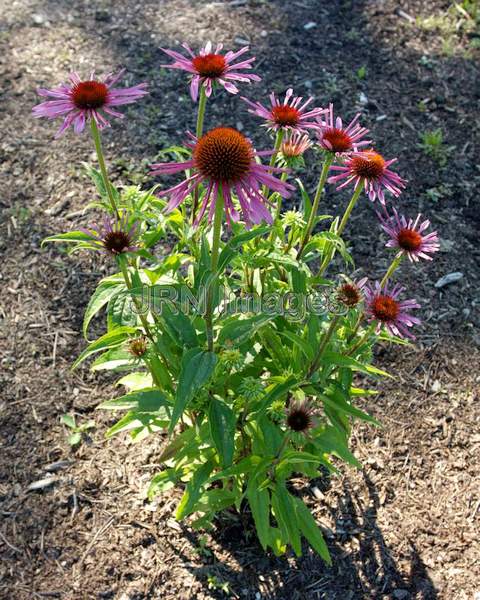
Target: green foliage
[
  {"x": 433, "y": 144},
  {"x": 217, "y": 339},
  {"x": 77, "y": 431}
]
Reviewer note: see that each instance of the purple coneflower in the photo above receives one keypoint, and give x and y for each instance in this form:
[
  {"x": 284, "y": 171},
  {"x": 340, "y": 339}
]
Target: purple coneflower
[
  {"x": 79, "y": 101},
  {"x": 114, "y": 237},
  {"x": 289, "y": 115},
  {"x": 208, "y": 68},
  {"x": 372, "y": 170},
  {"x": 224, "y": 157},
  {"x": 350, "y": 293},
  {"x": 295, "y": 145},
  {"x": 384, "y": 307},
  {"x": 334, "y": 137},
  {"x": 300, "y": 417},
  {"x": 407, "y": 236}
]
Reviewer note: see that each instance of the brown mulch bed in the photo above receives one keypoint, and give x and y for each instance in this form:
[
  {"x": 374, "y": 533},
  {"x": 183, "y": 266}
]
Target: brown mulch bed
[{"x": 407, "y": 525}]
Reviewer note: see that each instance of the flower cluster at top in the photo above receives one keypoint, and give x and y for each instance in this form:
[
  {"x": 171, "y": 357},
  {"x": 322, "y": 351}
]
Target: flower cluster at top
[{"x": 224, "y": 167}]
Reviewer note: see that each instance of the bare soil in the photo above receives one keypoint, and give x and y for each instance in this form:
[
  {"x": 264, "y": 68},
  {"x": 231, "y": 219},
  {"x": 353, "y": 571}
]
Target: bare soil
[{"x": 404, "y": 527}]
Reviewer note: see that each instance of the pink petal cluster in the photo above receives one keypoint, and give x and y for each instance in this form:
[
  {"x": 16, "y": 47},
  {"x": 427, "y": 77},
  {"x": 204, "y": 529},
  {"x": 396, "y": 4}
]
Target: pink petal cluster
[
  {"x": 209, "y": 67},
  {"x": 383, "y": 306},
  {"x": 290, "y": 114},
  {"x": 81, "y": 100},
  {"x": 407, "y": 236},
  {"x": 245, "y": 184},
  {"x": 334, "y": 137},
  {"x": 370, "y": 169}
]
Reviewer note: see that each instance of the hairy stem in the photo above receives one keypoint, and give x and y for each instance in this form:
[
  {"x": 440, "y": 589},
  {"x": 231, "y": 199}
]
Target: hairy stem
[
  {"x": 103, "y": 168},
  {"x": 202, "y": 103},
  {"x": 346, "y": 215},
  {"x": 323, "y": 345},
  {"x": 316, "y": 202},
  {"x": 391, "y": 269},
  {"x": 128, "y": 282},
  {"x": 217, "y": 230}
]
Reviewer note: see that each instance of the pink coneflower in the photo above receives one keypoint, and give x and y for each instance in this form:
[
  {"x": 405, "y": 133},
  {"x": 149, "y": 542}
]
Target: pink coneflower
[
  {"x": 383, "y": 306},
  {"x": 334, "y": 137},
  {"x": 81, "y": 100},
  {"x": 115, "y": 236},
  {"x": 289, "y": 115},
  {"x": 370, "y": 169},
  {"x": 350, "y": 293},
  {"x": 407, "y": 236},
  {"x": 296, "y": 145},
  {"x": 208, "y": 68},
  {"x": 224, "y": 157}
]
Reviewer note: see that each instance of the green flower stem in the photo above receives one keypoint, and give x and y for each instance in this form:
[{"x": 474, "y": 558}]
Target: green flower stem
[
  {"x": 202, "y": 103},
  {"x": 350, "y": 207},
  {"x": 122, "y": 263},
  {"x": 103, "y": 168},
  {"x": 283, "y": 177},
  {"x": 276, "y": 148},
  {"x": 346, "y": 215},
  {"x": 391, "y": 269},
  {"x": 355, "y": 329},
  {"x": 316, "y": 201},
  {"x": 278, "y": 455},
  {"x": 217, "y": 230},
  {"x": 362, "y": 339},
  {"x": 323, "y": 345}
]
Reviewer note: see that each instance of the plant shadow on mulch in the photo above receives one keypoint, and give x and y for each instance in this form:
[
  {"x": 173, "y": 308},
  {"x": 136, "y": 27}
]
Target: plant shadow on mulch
[{"x": 373, "y": 571}]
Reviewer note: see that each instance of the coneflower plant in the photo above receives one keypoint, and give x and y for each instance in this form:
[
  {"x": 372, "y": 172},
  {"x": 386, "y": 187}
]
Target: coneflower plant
[{"x": 235, "y": 317}]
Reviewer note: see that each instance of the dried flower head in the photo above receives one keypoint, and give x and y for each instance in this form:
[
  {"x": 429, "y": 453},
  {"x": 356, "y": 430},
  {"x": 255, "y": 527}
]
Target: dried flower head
[
  {"x": 370, "y": 169},
  {"x": 350, "y": 293},
  {"x": 138, "y": 346},
  {"x": 300, "y": 417},
  {"x": 224, "y": 158},
  {"x": 115, "y": 236},
  {"x": 79, "y": 101},
  {"x": 209, "y": 67}
]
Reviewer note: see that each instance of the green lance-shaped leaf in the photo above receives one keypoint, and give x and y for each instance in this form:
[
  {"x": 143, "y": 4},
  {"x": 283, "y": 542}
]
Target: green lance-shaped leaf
[
  {"x": 69, "y": 237},
  {"x": 286, "y": 516},
  {"x": 222, "y": 428},
  {"x": 149, "y": 400},
  {"x": 239, "y": 331},
  {"x": 193, "y": 490},
  {"x": 310, "y": 530},
  {"x": 300, "y": 342},
  {"x": 106, "y": 290},
  {"x": 259, "y": 501},
  {"x": 338, "y": 403},
  {"x": 197, "y": 367},
  {"x": 330, "y": 357},
  {"x": 230, "y": 249},
  {"x": 109, "y": 340},
  {"x": 332, "y": 441}
]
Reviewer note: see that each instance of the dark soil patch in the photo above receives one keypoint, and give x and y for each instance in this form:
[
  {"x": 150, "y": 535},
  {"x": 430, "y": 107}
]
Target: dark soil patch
[{"x": 407, "y": 526}]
